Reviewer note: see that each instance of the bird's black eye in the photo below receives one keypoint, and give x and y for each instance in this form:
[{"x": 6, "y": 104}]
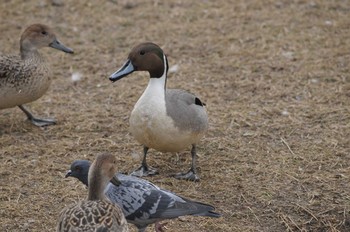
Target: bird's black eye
[
  {"x": 77, "y": 168},
  {"x": 44, "y": 32},
  {"x": 142, "y": 52}
]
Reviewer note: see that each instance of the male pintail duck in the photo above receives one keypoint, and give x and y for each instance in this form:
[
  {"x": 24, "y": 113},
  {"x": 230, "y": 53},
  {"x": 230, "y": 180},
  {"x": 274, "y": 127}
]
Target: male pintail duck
[
  {"x": 142, "y": 202},
  {"x": 26, "y": 78},
  {"x": 168, "y": 120},
  {"x": 96, "y": 213}
]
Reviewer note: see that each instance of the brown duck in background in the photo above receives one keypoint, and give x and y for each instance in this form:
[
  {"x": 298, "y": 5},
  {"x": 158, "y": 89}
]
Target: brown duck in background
[{"x": 27, "y": 77}]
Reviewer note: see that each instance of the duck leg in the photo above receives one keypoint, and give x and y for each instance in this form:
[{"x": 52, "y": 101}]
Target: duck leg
[
  {"x": 192, "y": 173},
  {"x": 37, "y": 121},
  {"x": 144, "y": 170}
]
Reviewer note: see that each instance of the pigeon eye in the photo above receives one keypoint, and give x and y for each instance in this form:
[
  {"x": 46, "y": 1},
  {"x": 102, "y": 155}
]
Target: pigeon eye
[
  {"x": 77, "y": 168},
  {"x": 142, "y": 52},
  {"x": 44, "y": 33}
]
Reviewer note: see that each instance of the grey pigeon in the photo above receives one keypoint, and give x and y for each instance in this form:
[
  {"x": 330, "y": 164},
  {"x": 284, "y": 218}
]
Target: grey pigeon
[{"x": 142, "y": 202}]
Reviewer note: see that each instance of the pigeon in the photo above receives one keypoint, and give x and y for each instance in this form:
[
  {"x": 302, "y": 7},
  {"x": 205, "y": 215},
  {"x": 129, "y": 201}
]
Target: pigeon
[{"x": 142, "y": 202}]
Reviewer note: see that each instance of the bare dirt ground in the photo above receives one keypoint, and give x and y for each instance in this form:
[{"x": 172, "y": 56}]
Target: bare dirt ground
[{"x": 274, "y": 76}]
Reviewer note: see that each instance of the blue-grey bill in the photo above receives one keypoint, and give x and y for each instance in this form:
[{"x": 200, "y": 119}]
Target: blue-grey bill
[
  {"x": 60, "y": 46},
  {"x": 125, "y": 70}
]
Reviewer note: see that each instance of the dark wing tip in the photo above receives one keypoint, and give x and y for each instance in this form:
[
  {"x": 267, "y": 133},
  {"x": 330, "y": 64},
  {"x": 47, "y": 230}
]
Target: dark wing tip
[
  {"x": 213, "y": 214},
  {"x": 197, "y": 101}
]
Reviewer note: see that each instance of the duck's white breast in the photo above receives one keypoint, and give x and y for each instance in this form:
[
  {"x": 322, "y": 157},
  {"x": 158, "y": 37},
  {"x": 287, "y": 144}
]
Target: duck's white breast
[{"x": 152, "y": 127}]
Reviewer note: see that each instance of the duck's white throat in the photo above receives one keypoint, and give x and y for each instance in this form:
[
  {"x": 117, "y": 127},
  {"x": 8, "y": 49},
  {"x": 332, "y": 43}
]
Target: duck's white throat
[{"x": 153, "y": 98}]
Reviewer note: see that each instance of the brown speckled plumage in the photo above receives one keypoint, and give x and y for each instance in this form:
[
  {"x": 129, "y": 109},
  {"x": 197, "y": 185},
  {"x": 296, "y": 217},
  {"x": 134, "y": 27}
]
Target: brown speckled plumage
[
  {"x": 26, "y": 77},
  {"x": 22, "y": 81},
  {"x": 92, "y": 216},
  {"x": 96, "y": 213}
]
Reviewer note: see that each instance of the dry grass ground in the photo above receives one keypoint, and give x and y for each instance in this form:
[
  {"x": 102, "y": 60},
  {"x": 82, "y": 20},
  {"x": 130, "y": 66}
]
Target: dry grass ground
[{"x": 274, "y": 76}]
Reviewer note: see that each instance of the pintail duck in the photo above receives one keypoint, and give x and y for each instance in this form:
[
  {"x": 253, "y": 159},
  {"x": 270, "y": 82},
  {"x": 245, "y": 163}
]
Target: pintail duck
[
  {"x": 26, "y": 78},
  {"x": 96, "y": 213},
  {"x": 168, "y": 120},
  {"x": 142, "y": 202}
]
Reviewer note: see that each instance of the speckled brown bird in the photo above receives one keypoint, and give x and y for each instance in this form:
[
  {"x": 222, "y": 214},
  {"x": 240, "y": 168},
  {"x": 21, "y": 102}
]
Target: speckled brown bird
[
  {"x": 26, "y": 77},
  {"x": 96, "y": 213}
]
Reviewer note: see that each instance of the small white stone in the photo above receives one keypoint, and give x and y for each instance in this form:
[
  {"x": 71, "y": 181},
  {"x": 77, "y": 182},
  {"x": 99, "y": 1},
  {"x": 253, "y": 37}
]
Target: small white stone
[
  {"x": 314, "y": 80},
  {"x": 76, "y": 76},
  {"x": 285, "y": 113},
  {"x": 288, "y": 55},
  {"x": 174, "y": 68}
]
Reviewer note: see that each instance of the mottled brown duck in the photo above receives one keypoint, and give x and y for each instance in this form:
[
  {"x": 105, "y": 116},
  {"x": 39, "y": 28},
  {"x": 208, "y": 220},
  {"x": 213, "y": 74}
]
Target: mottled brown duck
[
  {"x": 96, "y": 213},
  {"x": 26, "y": 77}
]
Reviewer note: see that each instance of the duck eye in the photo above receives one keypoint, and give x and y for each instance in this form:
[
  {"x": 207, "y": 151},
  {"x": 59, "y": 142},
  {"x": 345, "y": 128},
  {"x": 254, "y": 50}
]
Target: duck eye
[
  {"x": 44, "y": 32},
  {"x": 142, "y": 52}
]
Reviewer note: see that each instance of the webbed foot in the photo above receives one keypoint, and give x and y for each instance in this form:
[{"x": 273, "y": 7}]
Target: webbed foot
[
  {"x": 190, "y": 176},
  {"x": 37, "y": 121},
  {"x": 144, "y": 171},
  {"x": 42, "y": 122}
]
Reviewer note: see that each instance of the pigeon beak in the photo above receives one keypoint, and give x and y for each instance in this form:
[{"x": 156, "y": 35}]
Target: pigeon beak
[{"x": 69, "y": 173}]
